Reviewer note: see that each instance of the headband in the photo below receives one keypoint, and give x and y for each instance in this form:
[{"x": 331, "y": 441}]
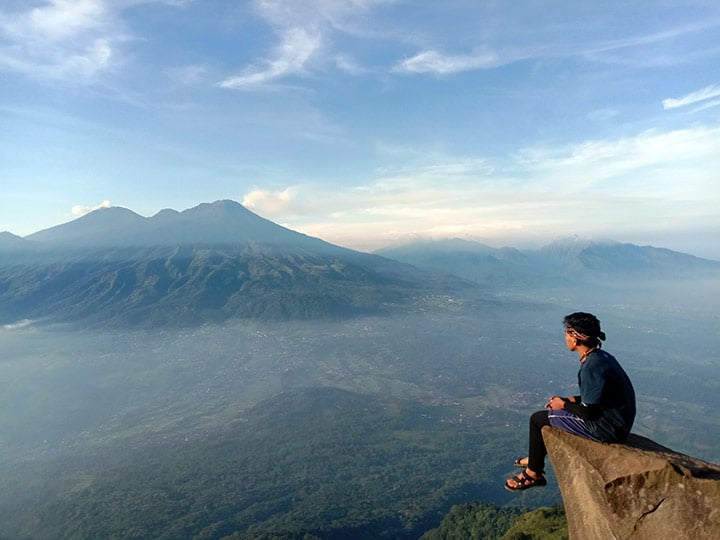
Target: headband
[{"x": 574, "y": 333}]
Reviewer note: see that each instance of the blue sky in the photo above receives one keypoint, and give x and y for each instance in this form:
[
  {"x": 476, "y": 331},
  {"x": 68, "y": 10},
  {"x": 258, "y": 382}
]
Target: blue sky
[{"x": 370, "y": 122}]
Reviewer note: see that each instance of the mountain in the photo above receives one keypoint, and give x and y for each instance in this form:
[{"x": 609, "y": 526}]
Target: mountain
[
  {"x": 219, "y": 223},
  {"x": 613, "y": 259},
  {"x": 500, "y": 268},
  {"x": 207, "y": 264},
  {"x": 568, "y": 261}
]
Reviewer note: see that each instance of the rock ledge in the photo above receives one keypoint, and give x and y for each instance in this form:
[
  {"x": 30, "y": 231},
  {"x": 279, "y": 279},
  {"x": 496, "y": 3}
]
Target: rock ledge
[{"x": 636, "y": 490}]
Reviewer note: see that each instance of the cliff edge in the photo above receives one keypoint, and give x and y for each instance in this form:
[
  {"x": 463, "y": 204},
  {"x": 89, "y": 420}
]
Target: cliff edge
[{"x": 635, "y": 490}]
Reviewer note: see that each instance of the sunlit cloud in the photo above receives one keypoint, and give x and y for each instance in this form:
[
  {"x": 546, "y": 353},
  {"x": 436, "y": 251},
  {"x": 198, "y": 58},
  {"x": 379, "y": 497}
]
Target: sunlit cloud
[
  {"x": 80, "y": 210},
  {"x": 598, "y": 187},
  {"x": 649, "y": 161},
  {"x": 708, "y": 92},
  {"x": 269, "y": 202}
]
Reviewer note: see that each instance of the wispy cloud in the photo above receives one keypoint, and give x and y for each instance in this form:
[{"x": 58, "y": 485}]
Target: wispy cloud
[
  {"x": 435, "y": 62},
  {"x": 296, "y": 48},
  {"x": 81, "y": 210},
  {"x": 304, "y": 30},
  {"x": 17, "y": 325},
  {"x": 72, "y": 40},
  {"x": 642, "y": 49},
  {"x": 189, "y": 74},
  {"x": 645, "y": 165},
  {"x": 703, "y": 94},
  {"x": 707, "y": 105},
  {"x": 60, "y": 38}
]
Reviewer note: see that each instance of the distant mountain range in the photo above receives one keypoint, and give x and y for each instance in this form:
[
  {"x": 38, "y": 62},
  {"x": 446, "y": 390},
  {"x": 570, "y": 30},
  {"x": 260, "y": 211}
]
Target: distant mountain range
[
  {"x": 221, "y": 261},
  {"x": 567, "y": 261}
]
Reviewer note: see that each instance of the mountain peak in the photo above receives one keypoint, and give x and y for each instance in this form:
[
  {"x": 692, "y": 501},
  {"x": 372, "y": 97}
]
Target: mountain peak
[
  {"x": 10, "y": 240},
  {"x": 93, "y": 228},
  {"x": 223, "y": 222}
]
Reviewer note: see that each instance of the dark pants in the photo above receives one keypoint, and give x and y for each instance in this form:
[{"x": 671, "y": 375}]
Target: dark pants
[
  {"x": 537, "y": 451},
  {"x": 564, "y": 420}
]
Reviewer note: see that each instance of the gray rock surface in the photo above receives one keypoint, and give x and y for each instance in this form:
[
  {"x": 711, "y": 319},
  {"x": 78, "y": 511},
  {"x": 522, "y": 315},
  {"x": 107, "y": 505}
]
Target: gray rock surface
[{"x": 637, "y": 490}]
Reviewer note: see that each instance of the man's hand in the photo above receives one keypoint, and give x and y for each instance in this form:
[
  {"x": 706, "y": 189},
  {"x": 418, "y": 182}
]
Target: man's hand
[{"x": 555, "y": 404}]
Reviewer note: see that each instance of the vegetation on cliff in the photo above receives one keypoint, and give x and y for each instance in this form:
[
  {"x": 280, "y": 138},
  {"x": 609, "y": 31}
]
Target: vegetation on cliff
[{"x": 480, "y": 521}]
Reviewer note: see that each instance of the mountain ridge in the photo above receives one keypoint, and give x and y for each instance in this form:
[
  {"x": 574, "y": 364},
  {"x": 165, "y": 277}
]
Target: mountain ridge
[
  {"x": 560, "y": 261},
  {"x": 223, "y": 222}
]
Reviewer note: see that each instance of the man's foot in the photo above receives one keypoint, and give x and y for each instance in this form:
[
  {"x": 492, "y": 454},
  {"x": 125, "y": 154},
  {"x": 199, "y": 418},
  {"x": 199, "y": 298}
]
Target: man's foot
[
  {"x": 522, "y": 462},
  {"x": 525, "y": 480}
]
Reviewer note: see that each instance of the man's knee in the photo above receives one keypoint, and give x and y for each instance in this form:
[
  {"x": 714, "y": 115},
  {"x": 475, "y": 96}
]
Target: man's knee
[{"x": 539, "y": 419}]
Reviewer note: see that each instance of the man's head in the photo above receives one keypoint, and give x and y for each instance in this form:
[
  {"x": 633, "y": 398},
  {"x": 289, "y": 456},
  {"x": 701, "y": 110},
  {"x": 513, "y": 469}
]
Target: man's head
[{"x": 584, "y": 328}]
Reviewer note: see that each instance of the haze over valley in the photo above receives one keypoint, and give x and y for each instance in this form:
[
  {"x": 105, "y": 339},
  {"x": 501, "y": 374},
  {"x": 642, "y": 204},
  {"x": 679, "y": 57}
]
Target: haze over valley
[{"x": 211, "y": 374}]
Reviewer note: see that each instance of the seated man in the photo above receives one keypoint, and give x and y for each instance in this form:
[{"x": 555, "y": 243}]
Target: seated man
[{"x": 604, "y": 411}]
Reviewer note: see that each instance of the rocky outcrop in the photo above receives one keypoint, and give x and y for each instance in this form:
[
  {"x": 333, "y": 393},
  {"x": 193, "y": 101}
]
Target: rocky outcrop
[{"x": 636, "y": 490}]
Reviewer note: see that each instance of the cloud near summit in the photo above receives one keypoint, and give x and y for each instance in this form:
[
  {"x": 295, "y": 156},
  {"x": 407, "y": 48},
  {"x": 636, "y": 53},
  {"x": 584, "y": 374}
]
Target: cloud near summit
[{"x": 80, "y": 210}]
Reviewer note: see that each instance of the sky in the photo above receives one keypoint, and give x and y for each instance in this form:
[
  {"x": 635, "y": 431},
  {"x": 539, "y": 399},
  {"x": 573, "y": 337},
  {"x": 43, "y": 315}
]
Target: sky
[{"x": 370, "y": 123}]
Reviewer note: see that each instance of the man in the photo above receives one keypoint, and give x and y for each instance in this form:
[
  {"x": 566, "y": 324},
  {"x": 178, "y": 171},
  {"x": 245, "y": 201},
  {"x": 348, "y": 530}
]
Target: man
[{"x": 604, "y": 411}]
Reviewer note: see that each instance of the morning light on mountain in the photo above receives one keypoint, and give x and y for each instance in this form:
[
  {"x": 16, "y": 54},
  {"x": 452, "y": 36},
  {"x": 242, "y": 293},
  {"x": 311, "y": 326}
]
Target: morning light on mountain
[{"x": 299, "y": 270}]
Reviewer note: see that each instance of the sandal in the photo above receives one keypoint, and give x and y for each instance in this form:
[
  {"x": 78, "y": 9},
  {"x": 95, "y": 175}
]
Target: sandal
[
  {"x": 524, "y": 481},
  {"x": 523, "y": 465}
]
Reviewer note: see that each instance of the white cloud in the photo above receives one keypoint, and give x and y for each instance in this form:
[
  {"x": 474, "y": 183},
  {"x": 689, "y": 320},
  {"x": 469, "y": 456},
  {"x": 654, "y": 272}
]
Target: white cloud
[
  {"x": 435, "y": 62},
  {"x": 269, "y": 202},
  {"x": 80, "y": 210},
  {"x": 17, "y": 325},
  {"x": 56, "y": 21},
  {"x": 297, "y": 47},
  {"x": 70, "y": 40},
  {"x": 708, "y": 92},
  {"x": 59, "y": 39}
]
